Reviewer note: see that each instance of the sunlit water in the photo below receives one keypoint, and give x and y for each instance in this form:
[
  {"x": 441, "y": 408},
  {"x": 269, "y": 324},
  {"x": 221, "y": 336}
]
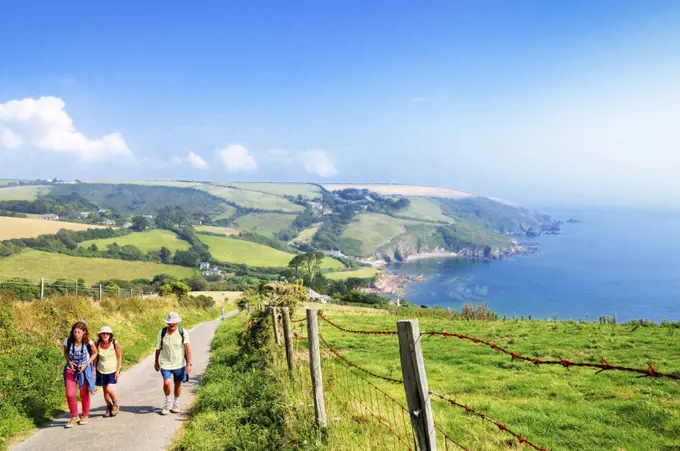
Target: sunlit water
[{"x": 618, "y": 262}]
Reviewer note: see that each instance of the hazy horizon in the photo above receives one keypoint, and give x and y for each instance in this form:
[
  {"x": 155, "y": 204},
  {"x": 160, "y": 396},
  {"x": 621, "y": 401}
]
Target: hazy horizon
[{"x": 537, "y": 103}]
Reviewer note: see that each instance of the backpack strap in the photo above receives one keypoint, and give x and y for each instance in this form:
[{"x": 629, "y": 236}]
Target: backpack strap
[{"x": 163, "y": 332}]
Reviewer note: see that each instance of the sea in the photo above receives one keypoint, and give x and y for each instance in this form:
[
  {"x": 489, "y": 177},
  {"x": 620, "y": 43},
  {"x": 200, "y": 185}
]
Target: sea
[{"x": 622, "y": 262}]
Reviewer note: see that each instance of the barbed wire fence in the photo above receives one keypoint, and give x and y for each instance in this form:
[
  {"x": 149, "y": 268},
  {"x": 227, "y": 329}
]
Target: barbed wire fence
[
  {"x": 405, "y": 421},
  {"x": 38, "y": 288}
]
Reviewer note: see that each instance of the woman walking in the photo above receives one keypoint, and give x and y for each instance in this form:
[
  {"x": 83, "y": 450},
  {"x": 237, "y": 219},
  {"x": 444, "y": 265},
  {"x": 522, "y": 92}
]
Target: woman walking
[
  {"x": 109, "y": 360},
  {"x": 79, "y": 352}
]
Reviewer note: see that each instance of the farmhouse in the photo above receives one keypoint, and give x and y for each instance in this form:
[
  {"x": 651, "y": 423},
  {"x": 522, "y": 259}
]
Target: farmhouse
[
  {"x": 49, "y": 217},
  {"x": 314, "y": 296}
]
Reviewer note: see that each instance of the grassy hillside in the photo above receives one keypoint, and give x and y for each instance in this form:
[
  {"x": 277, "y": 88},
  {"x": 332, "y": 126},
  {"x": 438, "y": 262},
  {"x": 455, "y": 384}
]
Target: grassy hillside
[
  {"x": 146, "y": 241},
  {"x": 374, "y": 230},
  {"x": 31, "y": 363},
  {"x": 143, "y": 199},
  {"x": 5, "y": 182},
  {"x": 252, "y": 199},
  {"x": 362, "y": 273},
  {"x": 238, "y": 251},
  {"x": 281, "y": 189},
  {"x": 266, "y": 224},
  {"x": 28, "y": 192},
  {"x": 226, "y": 231},
  {"x": 170, "y": 183},
  {"x": 31, "y": 228},
  {"x": 425, "y": 209},
  {"x": 401, "y": 190},
  {"x": 552, "y": 406},
  {"x": 228, "y": 212},
  {"x": 306, "y": 235},
  {"x": 34, "y": 264},
  {"x": 232, "y": 250}
]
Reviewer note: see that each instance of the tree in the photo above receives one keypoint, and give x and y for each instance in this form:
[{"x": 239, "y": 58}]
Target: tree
[
  {"x": 186, "y": 258},
  {"x": 172, "y": 216},
  {"x": 179, "y": 289},
  {"x": 140, "y": 223},
  {"x": 166, "y": 255},
  {"x": 197, "y": 283},
  {"x": 307, "y": 265}
]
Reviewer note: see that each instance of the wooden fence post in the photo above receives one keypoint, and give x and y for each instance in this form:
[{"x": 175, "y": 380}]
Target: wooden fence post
[
  {"x": 415, "y": 384},
  {"x": 288, "y": 337},
  {"x": 76, "y": 288},
  {"x": 315, "y": 367},
  {"x": 100, "y": 291},
  {"x": 130, "y": 292},
  {"x": 42, "y": 288},
  {"x": 275, "y": 320},
  {"x": 118, "y": 291}
]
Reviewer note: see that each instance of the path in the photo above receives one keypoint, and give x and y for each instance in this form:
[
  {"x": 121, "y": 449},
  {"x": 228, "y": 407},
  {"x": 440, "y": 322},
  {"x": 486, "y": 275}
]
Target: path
[{"x": 138, "y": 426}]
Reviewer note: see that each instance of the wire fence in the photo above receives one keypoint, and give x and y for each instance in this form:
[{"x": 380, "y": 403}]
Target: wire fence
[
  {"x": 36, "y": 288},
  {"x": 385, "y": 419}
]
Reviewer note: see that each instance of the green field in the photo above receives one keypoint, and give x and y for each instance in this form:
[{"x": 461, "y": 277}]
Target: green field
[
  {"x": 145, "y": 241},
  {"x": 362, "y": 273},
  {"x": 266, "y": 224},
  {"x": 251, "y": 199},
  {"x": 227, "y": 213},
  {"x": 35, "y": 264},
  {"x": 375, "y": 230},
  {"x": 552, "y": 406},
  {"x": 4, "y": 182},
  {"x": 280, "y": 189},
  {"x": 226, "y": 231},
  {"x": 170, "y": 183},
  {"x": 232, "y": 250},
  {"x": 307, "y": 235},
  {"x": 426, "y": 209},
  {"x": 26, "y": 192}
]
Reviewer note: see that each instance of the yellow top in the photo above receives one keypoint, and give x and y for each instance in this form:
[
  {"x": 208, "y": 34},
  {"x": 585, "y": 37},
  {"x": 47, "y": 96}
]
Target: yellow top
[
  {"x": 107, "y": 363},
  {"x": 172, "y": 354}
]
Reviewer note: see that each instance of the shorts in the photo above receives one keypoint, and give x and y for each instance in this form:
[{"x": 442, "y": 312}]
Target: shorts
[
  {"x": 103, "y": 380},
  {"x": 179, "y": 375}
]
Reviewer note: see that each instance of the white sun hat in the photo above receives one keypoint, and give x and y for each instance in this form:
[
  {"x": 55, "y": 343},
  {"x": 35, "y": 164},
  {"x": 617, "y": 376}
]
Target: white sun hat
[
  {"x": 173, "y": 318},
  {"x": 105, "y": 330}
]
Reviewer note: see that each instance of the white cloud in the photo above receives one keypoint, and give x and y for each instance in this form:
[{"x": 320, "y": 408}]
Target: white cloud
[
  {"x": 9, "y": 139},
  {"x": 236, "y": 158},
  {"x": 317, "y": 161},
  {"x": 193, "y": 159},
  {"x": 44, "y": 125}
]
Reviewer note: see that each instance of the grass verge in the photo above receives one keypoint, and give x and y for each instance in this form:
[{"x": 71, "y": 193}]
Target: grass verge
[{"x": 31, "y": 361}]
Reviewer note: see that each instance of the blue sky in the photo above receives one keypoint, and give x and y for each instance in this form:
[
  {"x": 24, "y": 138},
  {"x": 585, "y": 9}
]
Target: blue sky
[{"x": 538, "y": 102}]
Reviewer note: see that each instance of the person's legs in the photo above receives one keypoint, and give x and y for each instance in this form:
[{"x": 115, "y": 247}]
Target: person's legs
[
  {"x": 178, "y": 377},
  {"x": 85, "y": 399},
  {"x": 70, "y": 383},
  {"x": 178, "y": 389},
  {"x": 167, "y": 390}
]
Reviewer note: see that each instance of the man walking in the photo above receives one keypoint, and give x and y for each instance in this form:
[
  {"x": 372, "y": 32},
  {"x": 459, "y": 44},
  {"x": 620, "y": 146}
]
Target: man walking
[{"x": 173, "y": 360}]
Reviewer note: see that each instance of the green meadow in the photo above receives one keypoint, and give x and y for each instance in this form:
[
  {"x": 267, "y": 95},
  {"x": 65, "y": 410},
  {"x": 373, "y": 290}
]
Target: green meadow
[
  {"x": 27, "y": 192},
  {"x": 146, "y": 241},
  {"x": 375, "y": 230},
  {"x": 280, "y": 189},
  {"x": 34, "y": 264},
  {"x": 266, "y": 224},
  {"x": 251, "y": 199}
]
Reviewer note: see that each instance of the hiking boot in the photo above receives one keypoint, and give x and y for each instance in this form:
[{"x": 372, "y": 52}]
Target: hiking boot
[
  {"x": 108, "y": 411},
  {"x": 115, "y": 409},
  {"x": 83, "y": 421},
  {"x": 166, "y": 408},
  {"x": 72, "y": 422},
  {"x": 175, "y": 408}
]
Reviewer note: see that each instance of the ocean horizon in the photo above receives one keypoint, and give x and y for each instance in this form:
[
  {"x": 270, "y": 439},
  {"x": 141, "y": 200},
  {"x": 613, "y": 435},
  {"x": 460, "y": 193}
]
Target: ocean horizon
[{"x": 621, "y": 262}]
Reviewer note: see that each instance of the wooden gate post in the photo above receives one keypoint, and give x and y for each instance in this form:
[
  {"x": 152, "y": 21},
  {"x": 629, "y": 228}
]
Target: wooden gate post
[
  {"x": 275, "y": 320},
  {"x": 315, "y": 367},
  {"x": 415, "y": 384},
  {"x": 288, "y": 338}
]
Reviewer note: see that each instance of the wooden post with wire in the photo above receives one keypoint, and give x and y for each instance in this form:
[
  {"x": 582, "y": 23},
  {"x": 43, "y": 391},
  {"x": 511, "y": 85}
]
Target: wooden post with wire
[
  {"x": 275, "y": 320},
  {"x": 315, "y": 367},
  {"x": 415, "y": 384},
  {"x": 288, "y": 338}
]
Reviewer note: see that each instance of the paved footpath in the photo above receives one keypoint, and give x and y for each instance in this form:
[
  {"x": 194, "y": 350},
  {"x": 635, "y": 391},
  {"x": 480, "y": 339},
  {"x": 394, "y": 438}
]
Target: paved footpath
[{"x": 139, "y": 425}]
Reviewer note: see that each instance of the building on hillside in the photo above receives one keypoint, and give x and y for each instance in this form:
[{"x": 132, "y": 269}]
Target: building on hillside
[
  {"x": 211, "y": 272},
  {"x": 84, "y": 214},
  {"x": 109, "y": 222},
  {"x": 49, "y": 217},
  {"x": 205, "y": 265},
  {"x": 127, "y": 225},
  {"x": 314, "y": 296}
]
